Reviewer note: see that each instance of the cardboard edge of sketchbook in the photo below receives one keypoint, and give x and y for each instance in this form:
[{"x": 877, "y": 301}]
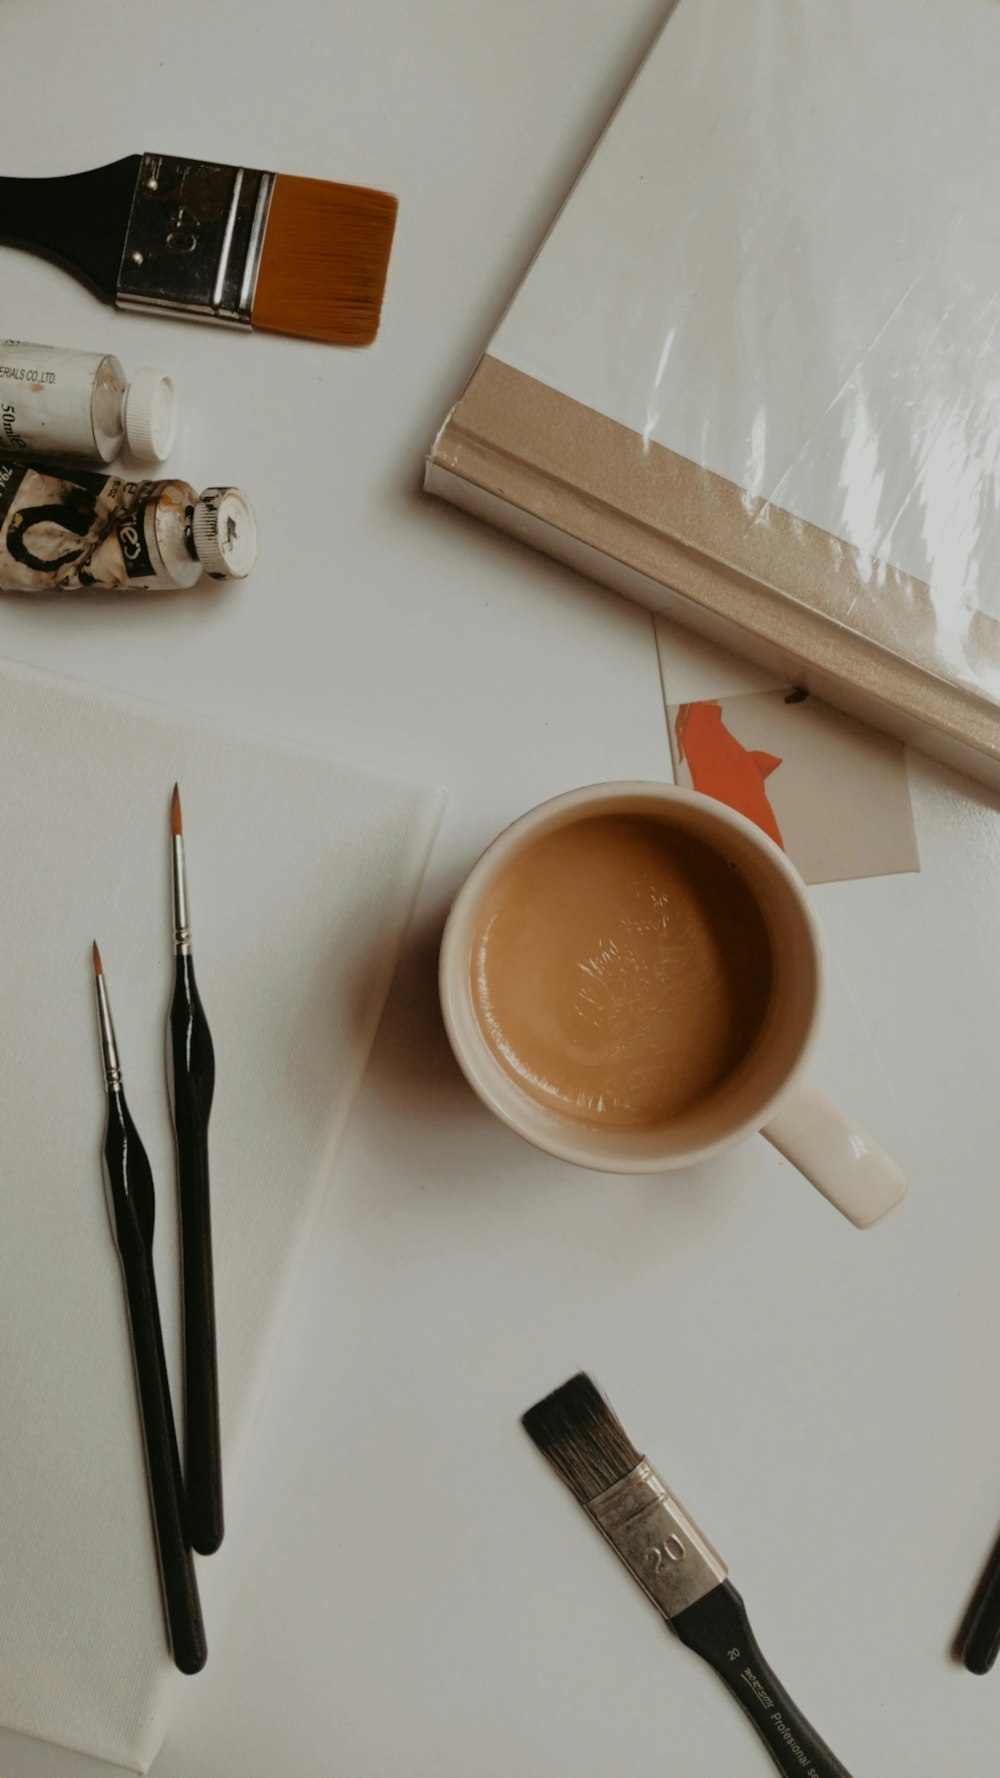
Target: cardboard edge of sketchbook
[{"x": 696, "y": 548}]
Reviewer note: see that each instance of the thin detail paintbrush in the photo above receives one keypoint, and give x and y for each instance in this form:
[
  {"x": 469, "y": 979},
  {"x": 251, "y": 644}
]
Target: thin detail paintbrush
[
  {"x": 673, "y": 1563},
  {"x": 191, "y": 1077},
  {"x": 132, "y": 1209},
  {"x": 214, "y": 243}
]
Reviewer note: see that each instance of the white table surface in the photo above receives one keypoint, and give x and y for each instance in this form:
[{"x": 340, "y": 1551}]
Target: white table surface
[{"x": 404, "y": 1589}]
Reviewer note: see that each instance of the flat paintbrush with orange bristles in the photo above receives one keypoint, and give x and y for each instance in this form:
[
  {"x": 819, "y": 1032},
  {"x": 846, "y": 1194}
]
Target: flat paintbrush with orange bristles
[{"x": 214, "y": 243}]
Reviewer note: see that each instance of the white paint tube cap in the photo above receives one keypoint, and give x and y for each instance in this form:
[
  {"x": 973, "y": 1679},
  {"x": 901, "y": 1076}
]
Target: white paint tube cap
[
  {"x": 150, "y": 415},
  {"x": 224, "y": 533}
]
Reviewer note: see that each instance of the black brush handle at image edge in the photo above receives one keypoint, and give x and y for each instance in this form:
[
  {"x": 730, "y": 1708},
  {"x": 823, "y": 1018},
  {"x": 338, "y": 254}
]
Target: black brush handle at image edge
[
  {"x": 133, "y": 1211},
  {"x": 716, "y": 1628},
  {"x": 192, "y": 1066},
  {"x": 979, "y": 1642}
]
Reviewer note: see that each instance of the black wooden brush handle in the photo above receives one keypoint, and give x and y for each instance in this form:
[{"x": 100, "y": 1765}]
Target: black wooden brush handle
[
  {"x": 132, "y": 1206},
  {"x": 192, "y": 1069},
  {"x": 201, "y": 1383},
  {"x": 78, "y": 219},
  {"x": 716, "y": 1628},
  {"x": 180, "y": 1588}
]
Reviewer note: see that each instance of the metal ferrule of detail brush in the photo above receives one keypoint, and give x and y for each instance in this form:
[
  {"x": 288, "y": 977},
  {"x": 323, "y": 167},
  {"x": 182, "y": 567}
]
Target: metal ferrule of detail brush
[
  {"x": 674, "y": 1564},
  {"x": 211, "y": 242},
  {"x": 191, "y": 1079},
  {"x": 132, "y": 1210}
]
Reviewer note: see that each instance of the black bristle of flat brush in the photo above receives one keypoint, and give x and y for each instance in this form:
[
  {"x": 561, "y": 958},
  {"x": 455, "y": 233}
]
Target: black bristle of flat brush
[{"x": 582, "y": 1437}]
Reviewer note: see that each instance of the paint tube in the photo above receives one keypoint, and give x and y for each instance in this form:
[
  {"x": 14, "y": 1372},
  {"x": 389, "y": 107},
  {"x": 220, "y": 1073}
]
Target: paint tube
[
  {"x": 71, "y": 530},
  {"x": 81, "y": 404}
]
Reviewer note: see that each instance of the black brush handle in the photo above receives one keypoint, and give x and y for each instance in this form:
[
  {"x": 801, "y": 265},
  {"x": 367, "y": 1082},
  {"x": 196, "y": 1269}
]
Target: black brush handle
[
  {"x": 201, "y": 1382},
  {"x": 80, "y": 220},
  {"x": 192, "y": 1063},
  {"x": 180, "y": 1587},
  {"x": 980, "y": 1641},
  {"x": 716, "y": 1628},
  {"x": 133, "y": 1209}
]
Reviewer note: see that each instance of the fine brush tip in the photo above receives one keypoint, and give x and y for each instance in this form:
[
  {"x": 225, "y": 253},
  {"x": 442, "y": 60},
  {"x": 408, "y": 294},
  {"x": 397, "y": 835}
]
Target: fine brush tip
[
  {"x": 98, "y": 965},
  {"x": 176, "y": 823}
]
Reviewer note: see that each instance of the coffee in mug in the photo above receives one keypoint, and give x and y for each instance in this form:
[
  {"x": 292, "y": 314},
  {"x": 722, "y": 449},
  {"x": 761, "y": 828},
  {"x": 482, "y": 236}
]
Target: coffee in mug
[{"x": 622, "y": 970}]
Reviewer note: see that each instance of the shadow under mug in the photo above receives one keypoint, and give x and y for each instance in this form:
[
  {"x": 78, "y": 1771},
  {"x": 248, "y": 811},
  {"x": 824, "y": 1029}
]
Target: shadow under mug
[{"x": 765, "y": 1093}]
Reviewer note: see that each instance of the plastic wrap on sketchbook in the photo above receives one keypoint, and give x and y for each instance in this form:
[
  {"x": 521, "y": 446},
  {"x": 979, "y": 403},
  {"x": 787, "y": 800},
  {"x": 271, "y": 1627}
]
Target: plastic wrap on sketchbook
[{"x": 753, "y": 376}]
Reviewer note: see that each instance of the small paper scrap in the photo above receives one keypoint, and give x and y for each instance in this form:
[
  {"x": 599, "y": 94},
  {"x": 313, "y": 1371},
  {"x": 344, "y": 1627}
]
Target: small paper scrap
[{"x": 829, "y": 791}]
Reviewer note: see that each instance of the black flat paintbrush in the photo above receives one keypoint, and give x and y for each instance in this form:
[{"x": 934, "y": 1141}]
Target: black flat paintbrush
[
  {"x": 674, "y": 1565},
  {"x": 191, "y": 1078},
  {"x": 132, "y": 1209},
  {"x": 214, "y": 243}
]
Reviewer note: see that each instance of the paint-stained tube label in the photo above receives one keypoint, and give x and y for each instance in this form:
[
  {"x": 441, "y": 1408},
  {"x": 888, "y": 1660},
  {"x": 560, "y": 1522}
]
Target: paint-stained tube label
[
  {"x": 63, "y": 529},
  {"x": 11, "y": 477}
]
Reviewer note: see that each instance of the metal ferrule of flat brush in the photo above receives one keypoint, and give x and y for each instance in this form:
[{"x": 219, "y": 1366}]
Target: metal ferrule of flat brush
[
  {"x": 657, "y": 1541},
  {"x": 182, "y": 922},
  {"x": 195, "y": 239}
]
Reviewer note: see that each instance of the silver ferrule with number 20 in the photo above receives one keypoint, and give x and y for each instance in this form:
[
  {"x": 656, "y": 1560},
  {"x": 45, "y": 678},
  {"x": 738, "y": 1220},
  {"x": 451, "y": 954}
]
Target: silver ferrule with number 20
[{"x": 673, "y": 1563}]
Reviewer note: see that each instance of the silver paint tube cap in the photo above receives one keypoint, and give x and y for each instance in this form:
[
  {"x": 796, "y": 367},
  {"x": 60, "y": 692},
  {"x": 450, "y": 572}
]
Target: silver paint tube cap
[{"x": 224, "y": 533}]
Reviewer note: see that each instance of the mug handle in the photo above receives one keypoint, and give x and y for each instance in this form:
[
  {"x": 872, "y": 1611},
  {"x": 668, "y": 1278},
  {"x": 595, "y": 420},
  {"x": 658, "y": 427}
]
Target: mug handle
[{"x": 840, "y": 1159}]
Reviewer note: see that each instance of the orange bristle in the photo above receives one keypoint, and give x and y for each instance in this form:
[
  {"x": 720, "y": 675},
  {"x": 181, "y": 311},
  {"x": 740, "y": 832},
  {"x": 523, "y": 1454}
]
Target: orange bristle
[
  {"x": 98, "y": 965},
  {"x": 176, "y": 823},
  {"x": 325, "y": 260}
]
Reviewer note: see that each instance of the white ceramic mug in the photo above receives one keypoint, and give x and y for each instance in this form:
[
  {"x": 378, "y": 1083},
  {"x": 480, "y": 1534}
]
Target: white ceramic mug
[{"x": 766, "y": 1093}]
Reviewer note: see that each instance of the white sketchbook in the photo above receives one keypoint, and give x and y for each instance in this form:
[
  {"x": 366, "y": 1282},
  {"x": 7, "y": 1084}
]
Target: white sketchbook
[{"x": 302, "y": 876}]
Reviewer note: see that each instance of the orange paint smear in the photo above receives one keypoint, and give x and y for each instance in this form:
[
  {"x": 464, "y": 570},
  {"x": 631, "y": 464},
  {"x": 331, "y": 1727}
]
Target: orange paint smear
[{"x": 721, "y": 767}]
